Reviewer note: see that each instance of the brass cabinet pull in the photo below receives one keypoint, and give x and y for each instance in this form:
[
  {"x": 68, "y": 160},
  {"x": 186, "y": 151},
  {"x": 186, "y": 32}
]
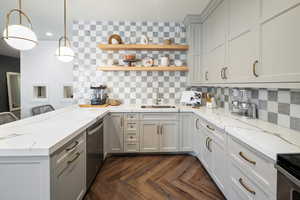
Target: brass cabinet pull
[
  {"x": 254, "y": 68},
  {"x": 206, "y": 75},
  {"x": 208, "y": 145},
  {"x": 75, "y": 158},
  {"x": 210, "y": 128},
  {"x": 206, "y": 142},
  {"x": 246, "y": 187},
  {"x": 73, "y": 146},
  {"x": 224, "y": 72},
  {"x": 247, "y": 159},
  {"x": 196, "y": 123},
  {"x": 121, "y": 122}
]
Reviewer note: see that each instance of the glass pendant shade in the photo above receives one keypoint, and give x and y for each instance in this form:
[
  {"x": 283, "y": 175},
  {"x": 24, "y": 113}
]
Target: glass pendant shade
[
  {"x": 64, "y": 54},
  {"x": 20, "y": 37}
]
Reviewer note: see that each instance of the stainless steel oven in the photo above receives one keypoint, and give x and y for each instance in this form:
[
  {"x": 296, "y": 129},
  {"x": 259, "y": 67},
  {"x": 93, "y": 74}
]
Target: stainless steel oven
[
  {"x": 94, "y": 151},
  {"x": 288, "y": 177}
]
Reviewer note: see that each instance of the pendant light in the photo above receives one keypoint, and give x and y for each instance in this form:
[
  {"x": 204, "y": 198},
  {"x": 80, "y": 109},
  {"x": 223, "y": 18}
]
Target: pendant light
[
  {"x": 19, "y": 36},
  {"x": 64, "y": 52}
]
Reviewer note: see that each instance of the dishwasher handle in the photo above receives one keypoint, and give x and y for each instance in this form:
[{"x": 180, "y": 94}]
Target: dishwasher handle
[{"x": 95, "y": 130}]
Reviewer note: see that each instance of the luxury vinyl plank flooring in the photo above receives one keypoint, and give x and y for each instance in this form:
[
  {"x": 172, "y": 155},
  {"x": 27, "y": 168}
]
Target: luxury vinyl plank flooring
[{"x": 153, "y": 177}]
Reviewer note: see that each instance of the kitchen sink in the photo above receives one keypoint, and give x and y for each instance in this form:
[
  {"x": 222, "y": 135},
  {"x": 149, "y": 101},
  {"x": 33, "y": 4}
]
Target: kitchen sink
[{"x": 157, "y": 106}]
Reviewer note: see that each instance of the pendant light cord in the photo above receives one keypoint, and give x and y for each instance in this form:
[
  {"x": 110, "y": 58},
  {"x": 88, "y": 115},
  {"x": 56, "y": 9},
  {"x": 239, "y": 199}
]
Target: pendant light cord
[
  {"x": 65, "y": 21},
  {"x": 20, "y": 8}
]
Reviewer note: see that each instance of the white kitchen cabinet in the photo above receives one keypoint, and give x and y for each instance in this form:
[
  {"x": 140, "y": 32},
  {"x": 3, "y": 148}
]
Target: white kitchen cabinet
[
  {"x": 115, "y": 133},
  {"x": 197, "y": 137},
  {"x": 169, "y": 136},
  {"x": 214, "y": 154},
  {"x": 219, "y": 159},
  {"x": 187, "y": 130},
  {"x": 150, "y": 136},
  {"x": 206, "y": 150},
  {"x": 216, "y": 27},
  {"x": 194, "y": 29},
  {"x": 214, "y": 45},
  {"x": 68, "y": 178},
  {"x": 280, "y": 42},
  {"x": 243, "y": 43},
  {"x": 159, "y": 136},
  {"x": 258, "y": 39}
]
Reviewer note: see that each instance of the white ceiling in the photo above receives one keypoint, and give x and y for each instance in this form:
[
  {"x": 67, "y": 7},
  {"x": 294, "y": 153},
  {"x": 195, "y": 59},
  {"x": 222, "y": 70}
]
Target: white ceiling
[{"x": 47, "y": 15}]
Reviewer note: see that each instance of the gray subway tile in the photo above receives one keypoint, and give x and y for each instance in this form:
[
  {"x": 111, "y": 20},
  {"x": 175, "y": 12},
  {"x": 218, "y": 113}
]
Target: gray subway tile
[
  {"x": 273, "y": 117},
  {"x": 295, "y": 98},
  {"x": 262, "y": 105},
  {"x": 284, "y": 108},
  {"x": 254, "y": 94},
  {"x": 295, "y": 123},
  {"x": 272, "y": 95}
]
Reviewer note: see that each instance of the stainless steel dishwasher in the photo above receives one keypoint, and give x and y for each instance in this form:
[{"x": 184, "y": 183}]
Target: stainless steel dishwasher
[{"x": 94, "y": 151}]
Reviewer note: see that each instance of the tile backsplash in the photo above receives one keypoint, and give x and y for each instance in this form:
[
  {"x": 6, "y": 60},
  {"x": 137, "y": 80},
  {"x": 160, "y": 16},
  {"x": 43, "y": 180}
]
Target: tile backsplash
[
  {"x": 134, "y": 87},
  {"x": 277, "y": 106}
]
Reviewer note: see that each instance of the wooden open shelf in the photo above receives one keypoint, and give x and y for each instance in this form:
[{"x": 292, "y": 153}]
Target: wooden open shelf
[
  {"x": 154, "y": 47},
  {"x": 140, "y": 68}
]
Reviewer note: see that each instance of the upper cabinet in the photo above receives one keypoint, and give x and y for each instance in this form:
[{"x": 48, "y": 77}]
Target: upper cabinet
[
  {"x": 194, "y": 31},
  {"x": 214, "y": 44},
  {"x": 242, "y": 40},
  {"x": 250, "y": 42},
  {"x": 279, "y": 41}
]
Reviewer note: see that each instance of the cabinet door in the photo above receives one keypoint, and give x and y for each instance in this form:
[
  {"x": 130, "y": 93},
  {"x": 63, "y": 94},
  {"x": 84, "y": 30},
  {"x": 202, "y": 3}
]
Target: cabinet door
[
  {"x": 280, "y": 42},
  {"x": 194, "y": 37},
  {"x": 149, "y": 136},
  {"x": 219, "y": 164},
  {"x": 216, "y": 27},
  {"x": 243, "y": 40},
  {"x": 69, "y": 181},
  {"x": 186, "y": 131},
  {"x": 206, "y": 153},
  {"x": 115, "y": 133},
  {"x": 216, "y": 64},
  {"x": 169, "y": 136},
  {"x": 197, "y": 138}
]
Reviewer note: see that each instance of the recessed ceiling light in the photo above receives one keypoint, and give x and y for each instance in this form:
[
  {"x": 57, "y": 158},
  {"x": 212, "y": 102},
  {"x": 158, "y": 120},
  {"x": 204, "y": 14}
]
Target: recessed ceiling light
[{"x": 49, "y": 34}]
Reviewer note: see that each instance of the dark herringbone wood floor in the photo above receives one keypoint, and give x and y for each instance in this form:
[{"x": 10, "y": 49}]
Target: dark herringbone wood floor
[{"x": 177, "y": 177}]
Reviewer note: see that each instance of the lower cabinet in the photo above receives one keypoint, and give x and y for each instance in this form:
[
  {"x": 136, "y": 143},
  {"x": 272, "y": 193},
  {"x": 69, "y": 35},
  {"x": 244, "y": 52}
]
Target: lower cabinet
[
  {"x": 187, "y": 130},
  {"x": 114, "y": 133},
  {"x": 159, "y": 136},
  {"x": 68, "y": 179},
  {"x": 150, "y": 136},
  {"x": 169, "y": 136},
  {"x": 214, "y": 156}
]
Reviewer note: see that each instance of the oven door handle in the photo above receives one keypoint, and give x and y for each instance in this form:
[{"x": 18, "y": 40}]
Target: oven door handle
[{"x": 288, "y": 175}]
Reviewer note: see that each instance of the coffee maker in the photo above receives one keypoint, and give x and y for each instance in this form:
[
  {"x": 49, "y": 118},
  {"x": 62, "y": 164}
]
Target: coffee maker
[{"x": 99, "y": 95}]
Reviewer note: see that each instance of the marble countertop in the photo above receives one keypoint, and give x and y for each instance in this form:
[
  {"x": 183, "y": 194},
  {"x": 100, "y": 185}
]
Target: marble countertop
[{"x": 44, "y": 134}]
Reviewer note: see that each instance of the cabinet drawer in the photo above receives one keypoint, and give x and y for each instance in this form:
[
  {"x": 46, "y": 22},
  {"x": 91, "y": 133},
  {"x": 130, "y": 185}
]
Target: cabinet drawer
[
  {"x": 218, "y": 134},
  {"x": 160, "y": 116},
  {"x": 131, "y": 136},
  {"x": 243, "y": 188},
  {"x": 132, "y": 147},
  {"x": 131, "y": 126},
  {"x": 259, "y": 168},
  {"x": 132, "y": 117},
  {"x": 76, "y": 144}
]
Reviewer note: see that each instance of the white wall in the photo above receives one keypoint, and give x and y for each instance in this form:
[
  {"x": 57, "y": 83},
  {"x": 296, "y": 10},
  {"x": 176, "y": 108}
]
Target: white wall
[{"x": 40, "y": 67}]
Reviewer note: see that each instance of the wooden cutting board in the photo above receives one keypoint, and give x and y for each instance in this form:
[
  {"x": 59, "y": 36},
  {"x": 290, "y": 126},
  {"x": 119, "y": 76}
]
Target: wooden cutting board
[{"x": 92, "y": 106}]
